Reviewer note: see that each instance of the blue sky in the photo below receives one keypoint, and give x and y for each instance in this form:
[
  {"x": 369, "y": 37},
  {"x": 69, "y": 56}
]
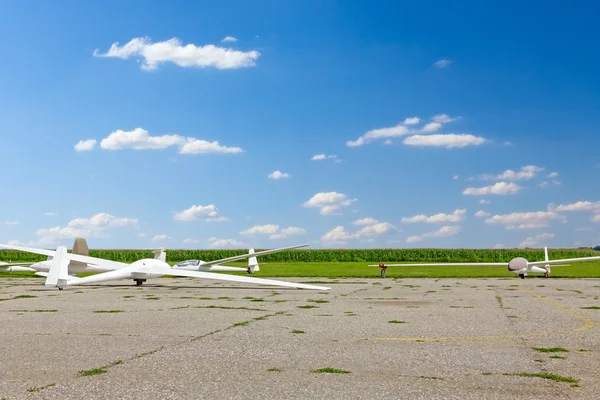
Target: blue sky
[{"x": 441, "y": 124}]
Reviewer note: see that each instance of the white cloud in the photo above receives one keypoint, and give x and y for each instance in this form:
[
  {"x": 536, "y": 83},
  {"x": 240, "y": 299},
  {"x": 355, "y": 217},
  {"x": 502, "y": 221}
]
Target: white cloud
[
  {"x": 455, "y": 177},
  {"x": 407, "y": 127},
  {"x": 365, "y": 221},
  {"x": 186, "y": 56},
  {"x": 449, "y": 140},
  {"x": 274, "y": 231},
  {"x": 484, "y": 201},
  {"x": 536, "y": 240},
  {"x": 229, "y": 39},
  {"x": 208, "y": 213},
  {"x": 578, "y": 206},
  {"x": 160, "y": 238},
  {"x": 412, "y": 121},
  {"x": 226, "y": 243},
  {"x": 432, "y": 127},
  {"x": 139, "y": 139},
  {"x": 50, "y": 213},
  {"x": 443, "y": 63},
  {"x": 269, "y": 229},
  {"x": 142, "y": 235},
  {"x": 546, "y": 184},
  {"x": 338, "y": 234},
  {"x": 525, "y": 173},
  {"x": 287, "y": 232},
  {"x": 444, "y": 231},
  {"x": 328, "y": 202},
  {"x": 595, "y": 218},
  {"x": 83, "y": 227},
  {"x": 85, "y": 145},
  {"x": 278, "y": 175},
  {"x": 455, "y": 216},
  {"x": 11, "y": 222},
  {"x": 526, "y": 220},
  {"x": 380, "y": 133},
  {"x": 374, "y": 229},
  {"x": 553, "y": 175},
  {"x": 444, "y": 118},
  {"x": 482, "y": 213},
  {"x": 322, "y": 156},
  {"x": 191, "y": 241},
  {"x": 370, "y": 228},
  {"x": 500, "y": 188}
]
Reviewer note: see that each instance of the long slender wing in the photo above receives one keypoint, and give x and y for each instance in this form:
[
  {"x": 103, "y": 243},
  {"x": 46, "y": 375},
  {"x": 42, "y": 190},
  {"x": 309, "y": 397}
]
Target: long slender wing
[
  {"x": 442, "y": 265},
  {"x": 246, "y": 256},
  {"x": 109, "y": 264},
  {"x": 43, "y": 252},
  {"x": 563, "y": 261},
  {"x": 225, "y": 277}
]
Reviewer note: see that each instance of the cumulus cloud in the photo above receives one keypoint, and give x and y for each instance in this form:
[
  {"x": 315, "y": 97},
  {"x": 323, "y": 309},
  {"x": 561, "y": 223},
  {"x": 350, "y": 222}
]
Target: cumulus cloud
[
  {"x": 526, "y": 220},
  {"x": 482, "y": 213},
  {"x": 208, "y": 213},
  {"x": 370, "y": 228},
  {"x": 456, "y": 216},
  {"x": 94, "y": 226},
  {"x": 484, "y": 201},
  {"x": 329, "y": 202},
  {"x": 229, "y": 39},
  {"x": 140, "y": 139},
  {"x": 500, "y": 188},
  {"x": 160, "y": 238},
  {"x": 449, "y": 141},
  {"x": 577, "y": 206},
  {"x": 443, "y": 63},
  {"x": 186, "y": 56},
  {"x": 420, "y": 136},
  {"x": 318, "y": 157},
  {"x": 226, "y": 243},
  {"x": 85, "y": 145},
  {"x": 536, "y": 240},
  {"x": 412, "y": 121},
  {"x": 278, "y": 175},
  {"x": 444, "y": 231},
  {"x": 526, "y": 172},
  {"x": 365, "y": 221},
  {"x": 553, "y": 175},
  {"x": 274, "y": 231}
]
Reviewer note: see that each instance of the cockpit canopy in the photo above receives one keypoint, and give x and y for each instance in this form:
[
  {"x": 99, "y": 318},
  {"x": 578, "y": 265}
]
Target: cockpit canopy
[{"x": 187, "y": 263}]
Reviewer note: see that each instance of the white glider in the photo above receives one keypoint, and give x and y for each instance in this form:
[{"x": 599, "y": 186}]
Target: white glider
[
  {"x": 141, "y": 270},
  {"x": 80, "y": 247},
  {"x": 517, "y": 265}
]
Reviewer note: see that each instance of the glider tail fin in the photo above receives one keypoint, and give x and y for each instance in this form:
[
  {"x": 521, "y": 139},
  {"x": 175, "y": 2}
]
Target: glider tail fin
[
  {"x": 252, "y": 263},
  {"x": 546, "y": 258},
  {"x": 80, "y": 247},
  {"x": 160, "y": 254}
]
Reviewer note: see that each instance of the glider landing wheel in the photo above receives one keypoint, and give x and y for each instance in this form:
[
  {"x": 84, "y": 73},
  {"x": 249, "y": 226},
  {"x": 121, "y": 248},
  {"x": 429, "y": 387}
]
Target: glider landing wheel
[
  {"x": 60, "y": 288},
  {"x": 522, "y": 276},
  {"x": 139, "y": 282},
  {"x": 248, "y": 270}
]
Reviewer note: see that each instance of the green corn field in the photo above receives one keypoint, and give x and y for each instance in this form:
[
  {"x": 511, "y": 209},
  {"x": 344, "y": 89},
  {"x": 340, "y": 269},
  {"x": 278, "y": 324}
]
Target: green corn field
[{"x": 330, "y": 255}]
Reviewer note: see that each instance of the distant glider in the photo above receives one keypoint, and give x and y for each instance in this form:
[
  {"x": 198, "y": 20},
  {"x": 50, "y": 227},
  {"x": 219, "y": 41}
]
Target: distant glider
[{"x": 517, "y": 265}]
